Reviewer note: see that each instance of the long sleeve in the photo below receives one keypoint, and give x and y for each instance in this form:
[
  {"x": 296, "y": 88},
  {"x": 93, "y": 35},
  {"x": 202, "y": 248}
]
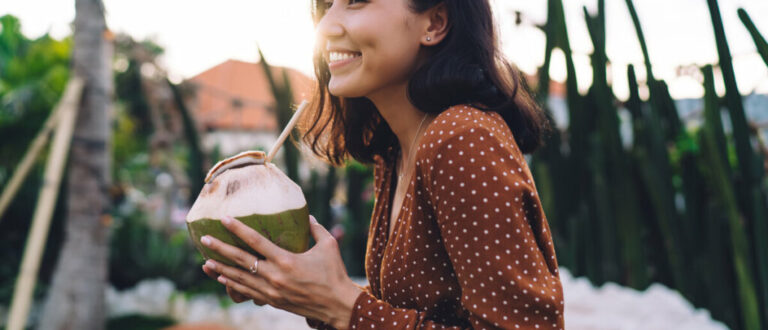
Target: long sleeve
[
  {"x": 315, "y": 324},
  {"x": 493, "y": 230},
  {"x": 372, "y": 313}
]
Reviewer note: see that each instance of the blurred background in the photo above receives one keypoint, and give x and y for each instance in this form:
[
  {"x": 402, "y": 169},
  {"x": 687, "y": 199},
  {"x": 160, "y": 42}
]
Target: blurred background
[{"x": 653, "y": 181}]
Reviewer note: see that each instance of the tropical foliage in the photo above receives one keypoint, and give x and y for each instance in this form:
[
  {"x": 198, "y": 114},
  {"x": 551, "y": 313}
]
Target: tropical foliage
[{"x": 682, "y": 206}]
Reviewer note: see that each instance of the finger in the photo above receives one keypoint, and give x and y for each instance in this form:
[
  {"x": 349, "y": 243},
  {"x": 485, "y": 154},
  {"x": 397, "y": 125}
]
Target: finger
[
  {"x": 243, "y": 289},
  {"x": 255, "y": 240},
  {"x": 232, "y": 253},
  {"x": 210, "y": 272},
  {"x": 256, "y": 283},
  {"x": 236, "y": 296},
  {"x": 319, "y": 233}
]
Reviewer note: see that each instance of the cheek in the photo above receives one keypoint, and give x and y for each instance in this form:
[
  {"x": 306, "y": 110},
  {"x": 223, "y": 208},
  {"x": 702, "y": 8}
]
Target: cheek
[
  {"x": 392, "y": 58},
  {"x": 395, "y": 56},
  {"x": 390, "y": 54}
]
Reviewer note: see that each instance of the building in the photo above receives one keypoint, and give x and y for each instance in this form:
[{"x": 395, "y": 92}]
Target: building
[{"x": 234, "y": 105}]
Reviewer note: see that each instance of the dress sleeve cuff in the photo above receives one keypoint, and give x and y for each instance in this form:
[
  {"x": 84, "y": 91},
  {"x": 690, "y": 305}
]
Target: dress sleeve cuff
[
  {"x": 363, "y": 303},
  {"x": 372, "y": 313},
  {"x": 315, "y": 324},
  {"x": 361, "y": 312}
]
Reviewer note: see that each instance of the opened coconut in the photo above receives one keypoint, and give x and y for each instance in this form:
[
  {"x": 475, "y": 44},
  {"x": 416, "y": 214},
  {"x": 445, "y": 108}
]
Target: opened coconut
[{"x": 258, "y": 194}]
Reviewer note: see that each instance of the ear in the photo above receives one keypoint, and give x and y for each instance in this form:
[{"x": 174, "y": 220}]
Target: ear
[{"x": 436, "y": 25}]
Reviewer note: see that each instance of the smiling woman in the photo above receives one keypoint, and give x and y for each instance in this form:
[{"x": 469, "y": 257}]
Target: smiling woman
[
  {"x": 458, "y": 238},
  {"x": 467, "y": 65}
]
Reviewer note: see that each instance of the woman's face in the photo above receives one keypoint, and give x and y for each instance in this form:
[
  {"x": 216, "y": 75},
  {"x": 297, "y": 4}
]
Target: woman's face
[{"x": 370, "y": 45}]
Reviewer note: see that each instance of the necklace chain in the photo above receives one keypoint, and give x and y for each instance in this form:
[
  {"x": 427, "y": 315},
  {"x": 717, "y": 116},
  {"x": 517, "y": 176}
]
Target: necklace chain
[{"x": 410, "y": 150}]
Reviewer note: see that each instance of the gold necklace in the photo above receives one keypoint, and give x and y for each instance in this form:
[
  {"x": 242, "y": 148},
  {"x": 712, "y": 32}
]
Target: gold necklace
[{"x": 410, "y": 151}]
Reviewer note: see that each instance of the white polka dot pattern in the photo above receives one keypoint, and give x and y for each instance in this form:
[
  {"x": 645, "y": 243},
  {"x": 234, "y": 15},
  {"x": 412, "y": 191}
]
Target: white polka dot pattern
[{"x": 471, "y": 247}]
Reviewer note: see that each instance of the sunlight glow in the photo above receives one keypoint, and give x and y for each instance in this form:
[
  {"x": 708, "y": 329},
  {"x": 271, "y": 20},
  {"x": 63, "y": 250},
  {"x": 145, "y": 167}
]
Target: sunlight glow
[{"x": 198, "y": 34}]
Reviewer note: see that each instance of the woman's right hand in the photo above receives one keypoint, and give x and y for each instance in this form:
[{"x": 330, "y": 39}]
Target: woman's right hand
[{"x": 237, "y": 297}]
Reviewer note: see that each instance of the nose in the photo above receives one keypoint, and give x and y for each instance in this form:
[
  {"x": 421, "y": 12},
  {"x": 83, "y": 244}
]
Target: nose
[{"x": 330, "y": 25}]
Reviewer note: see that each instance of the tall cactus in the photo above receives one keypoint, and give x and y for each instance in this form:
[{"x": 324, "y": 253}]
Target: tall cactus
[
  {"x": 283, "y": 103},
  {"x": 551, "y": 166},
  {"x": 655, "y": 167},
  {"x": 762, "y": 45},
  {"x": 358, "y": 176},
  {"x": 599, "y": 99},
  {"x": 196, "y": 172},
  {"x": 749, "y": 168},
  {"x": 675, "y": 208},
  {"x": 724, "y": 193},
  {"x": 760, "y": 227},
  {"x": 749, "y": 189},
  {"x": 616, "y": 190},
  {"x": 319, "y": 195},
  {"x": 720, "y": 282}
]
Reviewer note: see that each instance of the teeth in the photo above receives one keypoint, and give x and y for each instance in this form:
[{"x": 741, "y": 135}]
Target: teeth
[{"x": 338, "y": 56}]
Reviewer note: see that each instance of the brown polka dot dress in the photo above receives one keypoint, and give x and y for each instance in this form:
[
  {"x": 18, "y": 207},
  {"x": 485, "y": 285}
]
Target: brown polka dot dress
[{"x": 471, "y": 247}]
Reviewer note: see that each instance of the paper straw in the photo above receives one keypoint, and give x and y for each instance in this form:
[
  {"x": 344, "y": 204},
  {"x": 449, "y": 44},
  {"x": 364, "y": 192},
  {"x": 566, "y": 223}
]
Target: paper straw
[{"x": 286, "y": 131}]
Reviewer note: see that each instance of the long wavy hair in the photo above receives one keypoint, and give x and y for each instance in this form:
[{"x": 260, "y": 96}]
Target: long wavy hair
[{"x": 466, "y": 67}]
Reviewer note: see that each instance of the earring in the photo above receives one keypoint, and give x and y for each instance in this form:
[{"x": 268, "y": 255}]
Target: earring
[{"x": 429, "y": 38}]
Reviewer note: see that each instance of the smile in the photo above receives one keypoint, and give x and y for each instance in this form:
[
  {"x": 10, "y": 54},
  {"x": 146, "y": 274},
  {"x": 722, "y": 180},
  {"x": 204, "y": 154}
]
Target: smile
[{"x": 339, "y": 59}]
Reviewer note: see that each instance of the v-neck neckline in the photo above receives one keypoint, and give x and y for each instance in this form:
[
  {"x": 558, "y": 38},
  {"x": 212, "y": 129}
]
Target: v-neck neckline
[
  {"x": 392, "y": 186},
  {"x": 392, "y": 192}
]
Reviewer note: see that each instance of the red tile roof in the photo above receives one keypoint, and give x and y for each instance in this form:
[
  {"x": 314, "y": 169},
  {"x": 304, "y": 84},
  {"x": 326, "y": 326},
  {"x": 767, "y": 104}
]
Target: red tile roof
[{"x": 235, "y": 95}]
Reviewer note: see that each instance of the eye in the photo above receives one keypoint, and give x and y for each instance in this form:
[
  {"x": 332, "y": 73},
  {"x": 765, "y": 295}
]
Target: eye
[{"x": 324, "y": 5}]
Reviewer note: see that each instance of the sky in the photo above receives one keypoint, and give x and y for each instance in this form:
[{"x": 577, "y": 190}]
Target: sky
[{"x": 199, "y": 34}]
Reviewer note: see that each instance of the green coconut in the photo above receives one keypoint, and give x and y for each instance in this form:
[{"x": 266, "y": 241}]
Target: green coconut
[{"x": 258, "y": 194}]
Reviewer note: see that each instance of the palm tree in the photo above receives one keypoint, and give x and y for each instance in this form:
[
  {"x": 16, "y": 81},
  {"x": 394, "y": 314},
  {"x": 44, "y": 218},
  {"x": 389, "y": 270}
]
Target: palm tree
[{"x": 76, "y": 297}]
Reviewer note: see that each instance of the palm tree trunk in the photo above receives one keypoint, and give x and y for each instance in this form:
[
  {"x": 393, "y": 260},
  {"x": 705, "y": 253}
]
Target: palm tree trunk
[{"x": 76, "y": 298}]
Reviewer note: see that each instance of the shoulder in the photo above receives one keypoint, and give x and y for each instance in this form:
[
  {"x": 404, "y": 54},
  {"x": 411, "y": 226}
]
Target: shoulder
[
  {"x": 465, "y": 151},
  {"x": 463, "y": 127},
  {"x": 379, "y": 170}
]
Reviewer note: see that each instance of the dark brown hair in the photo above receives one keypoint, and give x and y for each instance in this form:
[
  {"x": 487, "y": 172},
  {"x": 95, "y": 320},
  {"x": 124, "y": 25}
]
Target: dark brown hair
[{"x": 467, "y": 67}]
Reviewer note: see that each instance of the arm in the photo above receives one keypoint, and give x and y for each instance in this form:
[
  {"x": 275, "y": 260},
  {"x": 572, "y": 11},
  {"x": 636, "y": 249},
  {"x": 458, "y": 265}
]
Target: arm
[
  {"x": 495, "y": 235},
  {"x": 495, "y": 232},
  {"x": 316, "y": 324}
]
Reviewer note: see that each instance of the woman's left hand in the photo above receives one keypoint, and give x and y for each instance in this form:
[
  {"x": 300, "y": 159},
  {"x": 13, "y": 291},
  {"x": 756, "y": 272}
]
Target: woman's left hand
[{"x": 313, "y": 284}]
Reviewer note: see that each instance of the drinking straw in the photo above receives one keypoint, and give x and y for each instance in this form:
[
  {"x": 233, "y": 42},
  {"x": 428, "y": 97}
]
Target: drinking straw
[{"x": 286, "y": 131}]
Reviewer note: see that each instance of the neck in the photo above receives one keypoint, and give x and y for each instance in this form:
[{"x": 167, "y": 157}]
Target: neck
[{"x": 403, "y": 118}]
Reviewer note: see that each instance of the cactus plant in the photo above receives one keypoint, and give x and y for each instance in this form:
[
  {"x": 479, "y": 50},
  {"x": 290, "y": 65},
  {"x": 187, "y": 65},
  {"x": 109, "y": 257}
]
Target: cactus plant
[
  {"x": 655, "y": 166},
  {"x": 618, "y": 198},
  {"x": 283, "y": 104},
  {"x": 749, "y": 180},
  {"x": 760, "y": 227},
  {"x": 762, "y": 45},
  {"x": 664, "y": 211}
]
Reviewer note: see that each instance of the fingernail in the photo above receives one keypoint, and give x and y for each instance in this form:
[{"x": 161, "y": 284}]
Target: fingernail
[
  {"x": 312, "y": 220},
  {"x": 227, "y": 220},
  {"x": 222, "y": 280},
  {"x": 210, "y": 264},
  {"x": 205, "y": 240}
]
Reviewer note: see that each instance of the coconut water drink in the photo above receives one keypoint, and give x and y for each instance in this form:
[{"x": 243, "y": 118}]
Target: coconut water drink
[{"x": 258, "y": 194}]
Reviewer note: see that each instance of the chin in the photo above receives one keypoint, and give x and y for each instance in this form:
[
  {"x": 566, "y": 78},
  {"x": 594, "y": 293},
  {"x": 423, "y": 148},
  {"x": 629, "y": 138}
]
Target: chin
[{"x": 345, "y": 90}]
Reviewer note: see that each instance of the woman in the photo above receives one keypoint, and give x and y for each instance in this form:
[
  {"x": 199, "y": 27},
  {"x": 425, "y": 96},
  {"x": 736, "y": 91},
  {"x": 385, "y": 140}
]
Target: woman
[{"x": 458, "y": 238}]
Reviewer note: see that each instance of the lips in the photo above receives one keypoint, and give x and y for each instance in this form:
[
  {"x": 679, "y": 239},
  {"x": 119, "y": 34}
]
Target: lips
[
  {"x": 336, "y": 56},
  {"x": 339, "y": 57}
]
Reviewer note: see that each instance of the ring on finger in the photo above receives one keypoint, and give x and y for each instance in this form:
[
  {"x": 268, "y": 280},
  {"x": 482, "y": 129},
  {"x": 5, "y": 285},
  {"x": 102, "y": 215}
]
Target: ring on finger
[{"x": 255, "y": 267}]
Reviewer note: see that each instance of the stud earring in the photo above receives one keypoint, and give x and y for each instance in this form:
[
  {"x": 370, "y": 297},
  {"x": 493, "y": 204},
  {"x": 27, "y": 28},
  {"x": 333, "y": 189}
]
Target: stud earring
[{"x": 429, "y": 38}]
